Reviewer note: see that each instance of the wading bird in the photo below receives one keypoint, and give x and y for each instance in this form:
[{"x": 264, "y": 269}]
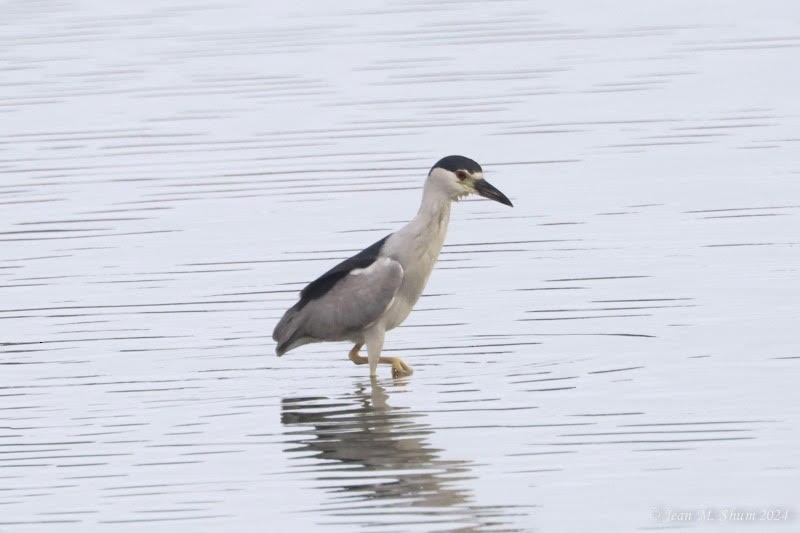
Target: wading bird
[{"x": 363, "y": 297}]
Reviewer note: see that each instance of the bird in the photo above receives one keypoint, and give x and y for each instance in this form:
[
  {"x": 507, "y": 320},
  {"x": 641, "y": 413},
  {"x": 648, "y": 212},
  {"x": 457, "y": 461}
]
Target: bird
[{"x": 373, "y": 292}]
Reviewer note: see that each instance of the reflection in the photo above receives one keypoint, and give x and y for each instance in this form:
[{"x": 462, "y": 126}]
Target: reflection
[{"x": 390, "y": 465}]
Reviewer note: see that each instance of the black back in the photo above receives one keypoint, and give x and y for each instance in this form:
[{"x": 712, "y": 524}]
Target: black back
[
  {"x": 320, "y": 286},
  {"x": 457, "y": 162}
]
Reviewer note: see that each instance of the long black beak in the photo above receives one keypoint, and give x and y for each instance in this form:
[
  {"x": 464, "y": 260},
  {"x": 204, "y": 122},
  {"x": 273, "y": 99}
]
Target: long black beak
[{"x": 487, "y": 190}]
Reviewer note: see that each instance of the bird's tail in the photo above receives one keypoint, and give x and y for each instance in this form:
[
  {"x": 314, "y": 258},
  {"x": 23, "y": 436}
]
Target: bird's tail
[{"x": 288, "y": 333}]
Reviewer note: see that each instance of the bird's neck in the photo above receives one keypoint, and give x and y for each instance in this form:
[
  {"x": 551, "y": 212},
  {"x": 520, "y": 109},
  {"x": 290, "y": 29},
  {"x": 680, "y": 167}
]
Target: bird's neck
[{"x": 434, "y": 211}]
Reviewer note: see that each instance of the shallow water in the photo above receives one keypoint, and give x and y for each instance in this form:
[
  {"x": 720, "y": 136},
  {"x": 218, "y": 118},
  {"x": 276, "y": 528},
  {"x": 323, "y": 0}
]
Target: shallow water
[{"x": 620, "y": 344}]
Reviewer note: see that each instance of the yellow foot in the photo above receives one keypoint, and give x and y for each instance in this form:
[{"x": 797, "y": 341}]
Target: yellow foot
[{"x": 399, "y": 368}]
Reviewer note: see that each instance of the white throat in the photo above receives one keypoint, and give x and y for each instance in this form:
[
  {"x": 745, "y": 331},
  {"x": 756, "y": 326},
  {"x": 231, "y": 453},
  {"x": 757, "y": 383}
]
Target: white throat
[{"x": 435, "y": 205}]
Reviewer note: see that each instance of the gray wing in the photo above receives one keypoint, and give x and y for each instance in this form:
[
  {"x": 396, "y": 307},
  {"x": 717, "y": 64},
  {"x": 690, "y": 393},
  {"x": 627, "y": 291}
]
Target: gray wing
[{"x": 356, "y": 300}]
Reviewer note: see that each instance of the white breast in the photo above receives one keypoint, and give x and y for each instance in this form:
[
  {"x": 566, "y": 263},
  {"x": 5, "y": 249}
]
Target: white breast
[{"x": 416, "y": 246}]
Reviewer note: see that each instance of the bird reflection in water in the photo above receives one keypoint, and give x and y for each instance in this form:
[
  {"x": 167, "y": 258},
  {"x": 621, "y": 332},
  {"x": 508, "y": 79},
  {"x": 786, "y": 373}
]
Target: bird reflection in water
[{"x": 394, "y": 470}]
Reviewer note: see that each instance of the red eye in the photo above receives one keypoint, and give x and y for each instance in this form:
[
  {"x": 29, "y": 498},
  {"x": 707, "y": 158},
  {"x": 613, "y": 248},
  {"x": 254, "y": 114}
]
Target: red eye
[{"x": 461, "y": 175}]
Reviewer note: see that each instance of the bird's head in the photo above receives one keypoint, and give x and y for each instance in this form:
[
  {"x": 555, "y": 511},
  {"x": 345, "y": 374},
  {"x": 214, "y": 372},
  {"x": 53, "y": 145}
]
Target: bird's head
[{"x": 458, "y": 176}]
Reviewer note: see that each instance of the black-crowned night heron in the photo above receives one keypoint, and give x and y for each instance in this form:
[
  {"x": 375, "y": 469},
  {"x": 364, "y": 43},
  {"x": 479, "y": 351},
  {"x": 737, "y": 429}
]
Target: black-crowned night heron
[{"x": 363, "y": 297}]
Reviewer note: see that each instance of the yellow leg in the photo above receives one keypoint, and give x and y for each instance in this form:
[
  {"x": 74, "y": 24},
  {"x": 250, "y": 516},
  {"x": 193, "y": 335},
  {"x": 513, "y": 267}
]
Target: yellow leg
[
  {"x": 399, "y": 367},
  {"x": 358, "y": 359}
]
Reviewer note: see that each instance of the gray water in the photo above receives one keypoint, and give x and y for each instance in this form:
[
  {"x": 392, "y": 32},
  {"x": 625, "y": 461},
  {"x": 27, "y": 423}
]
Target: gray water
[{"x": 621, "y": 344}]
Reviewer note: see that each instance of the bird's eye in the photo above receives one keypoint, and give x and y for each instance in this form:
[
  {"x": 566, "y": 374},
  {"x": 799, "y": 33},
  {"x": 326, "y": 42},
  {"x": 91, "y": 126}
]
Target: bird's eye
[{"x": 461, "y": 175}]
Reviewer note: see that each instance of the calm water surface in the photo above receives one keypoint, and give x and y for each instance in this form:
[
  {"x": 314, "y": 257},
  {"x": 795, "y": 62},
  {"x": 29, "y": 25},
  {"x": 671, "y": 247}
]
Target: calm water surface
[{"x": 621, "y": 343}]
